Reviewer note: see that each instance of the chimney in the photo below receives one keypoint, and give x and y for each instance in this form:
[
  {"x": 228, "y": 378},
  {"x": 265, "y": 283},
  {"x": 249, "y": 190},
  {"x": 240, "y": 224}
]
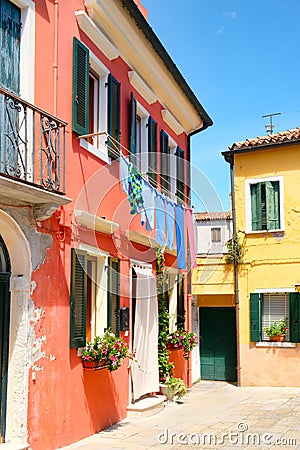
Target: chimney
[{"x": 141, "y": 8}]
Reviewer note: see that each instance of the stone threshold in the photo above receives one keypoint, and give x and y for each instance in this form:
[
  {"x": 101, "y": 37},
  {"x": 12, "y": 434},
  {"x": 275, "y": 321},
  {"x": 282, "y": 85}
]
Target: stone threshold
[
  {"x": 9, "y": 446},
  {"x": 146, "y": 407}
]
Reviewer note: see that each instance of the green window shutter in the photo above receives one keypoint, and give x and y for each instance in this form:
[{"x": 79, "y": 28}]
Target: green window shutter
[
  {"x": 294, "y": 320},
  {"x": 132, "y": 138},
  {"x": 152, "y": 151},
  {"x": 255, "y": 190},
  {"x": 180, "y": 173},
  {"x": 113, "y": 296},
  {"x": 114, "y": 88},
  {"x": 80, "y": 88},
  {"x": 164, "y": 166},
  {"x": 272, "y": 207},
  {"x": 78, "y": 298},
  {"x": 255, "y": 317},
  {"x": 10, "y": 36}
]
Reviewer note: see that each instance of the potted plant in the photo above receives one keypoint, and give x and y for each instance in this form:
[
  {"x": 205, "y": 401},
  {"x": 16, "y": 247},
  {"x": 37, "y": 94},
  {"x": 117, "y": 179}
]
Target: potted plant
[
  {"x": 276, "y": 331},
  {"x": 182, "y": 339},
  {"x": 173, "y": 388},
  {"x": 105, "y": 351}
]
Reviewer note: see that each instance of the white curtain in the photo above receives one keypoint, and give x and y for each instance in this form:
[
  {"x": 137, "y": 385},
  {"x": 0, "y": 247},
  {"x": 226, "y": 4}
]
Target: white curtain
[{"x": 145, "y": 376}]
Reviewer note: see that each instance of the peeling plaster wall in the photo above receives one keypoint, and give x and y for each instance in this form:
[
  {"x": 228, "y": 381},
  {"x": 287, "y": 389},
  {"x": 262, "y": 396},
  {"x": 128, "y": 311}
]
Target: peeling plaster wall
[{"x": 27, "y": 249}]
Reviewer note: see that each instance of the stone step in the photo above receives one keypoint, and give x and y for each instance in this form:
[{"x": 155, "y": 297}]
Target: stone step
[{"x": 146, "y": 407}]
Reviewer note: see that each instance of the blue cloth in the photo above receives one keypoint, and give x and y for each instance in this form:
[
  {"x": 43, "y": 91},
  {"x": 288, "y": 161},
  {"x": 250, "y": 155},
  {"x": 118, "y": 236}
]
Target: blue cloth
[
  {"x": 160, "y": 219},
  {"x": 124, "y": 173},
  {"x": 147, "y": 215},
  {"x": 135, "y": 196},
  {"x": 170, "y": 217},
  {"x": 180, "y": 244}
]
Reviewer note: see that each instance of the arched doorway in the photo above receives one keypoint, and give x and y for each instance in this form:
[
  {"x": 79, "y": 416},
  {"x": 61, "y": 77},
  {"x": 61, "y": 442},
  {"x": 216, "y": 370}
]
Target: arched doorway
[{"x": 4, "y": 331}]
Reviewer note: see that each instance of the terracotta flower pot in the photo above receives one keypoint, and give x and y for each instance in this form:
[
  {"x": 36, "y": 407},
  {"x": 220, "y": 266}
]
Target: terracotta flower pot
[
  {"x": 277, "y": 338},
  {"x": 95, "y": 365}
]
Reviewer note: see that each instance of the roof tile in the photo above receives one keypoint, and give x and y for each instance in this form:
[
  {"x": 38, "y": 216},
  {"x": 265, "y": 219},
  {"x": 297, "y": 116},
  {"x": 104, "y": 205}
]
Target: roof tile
[{"x": 282, "y": 136}]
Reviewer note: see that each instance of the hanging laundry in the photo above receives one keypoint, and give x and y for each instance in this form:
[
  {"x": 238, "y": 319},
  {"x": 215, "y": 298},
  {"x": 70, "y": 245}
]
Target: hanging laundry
[
  {"x": 124, "y": 173},
  {"x": 170, "y": 220},
  {"x": 147, "y": 214},
  {"x": 180, "y": 244},
  {"x": 191, "y": 236},
  {"x": 135, "y": 196},
  {"x": 160, "y": 219}
]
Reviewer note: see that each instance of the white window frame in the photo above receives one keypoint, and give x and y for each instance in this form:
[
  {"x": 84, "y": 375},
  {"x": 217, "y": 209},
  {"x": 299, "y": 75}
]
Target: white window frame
[
  {"x": 143, "y": 114},
  {"x": 99, "y": 148},
  {"x": 248, "y": 184},
  {"x": 173, "y": 168}
]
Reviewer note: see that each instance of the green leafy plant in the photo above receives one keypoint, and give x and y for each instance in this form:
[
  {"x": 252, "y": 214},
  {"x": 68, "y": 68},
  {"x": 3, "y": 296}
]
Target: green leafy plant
[
  {"x": 176, "y": 388},
  {"x": 108, "y": 348},
  {"x": 235, "y": 251},
  {"x": 277, "y": 328},
  {"x": 183, "y": 339}
]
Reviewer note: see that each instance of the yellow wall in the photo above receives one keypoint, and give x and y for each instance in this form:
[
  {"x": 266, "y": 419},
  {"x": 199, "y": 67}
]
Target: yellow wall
[
  {"x": 212, "y": 277},
  {"x": 271, "y": 261}
]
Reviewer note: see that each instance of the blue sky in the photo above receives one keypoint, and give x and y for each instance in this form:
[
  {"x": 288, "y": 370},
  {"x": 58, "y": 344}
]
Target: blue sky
[{"x": 241, "y": 59}]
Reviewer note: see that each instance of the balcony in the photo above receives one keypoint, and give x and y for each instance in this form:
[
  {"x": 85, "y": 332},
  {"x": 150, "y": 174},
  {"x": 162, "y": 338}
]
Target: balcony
[{"x": 32, "y": 156}]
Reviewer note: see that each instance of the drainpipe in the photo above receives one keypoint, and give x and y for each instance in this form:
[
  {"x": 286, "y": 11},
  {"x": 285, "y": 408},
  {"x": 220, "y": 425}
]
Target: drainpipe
[
  {"x": 230, "y": 160},
  {"x": 55, "y": 59}
]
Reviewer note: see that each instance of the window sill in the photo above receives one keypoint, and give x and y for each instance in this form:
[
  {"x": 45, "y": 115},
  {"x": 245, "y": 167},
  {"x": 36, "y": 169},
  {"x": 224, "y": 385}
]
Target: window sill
[
  {"x": 98, "y": 152},
  {"x": 278, "y": 232},
  {"x": 276, "y": 344}
]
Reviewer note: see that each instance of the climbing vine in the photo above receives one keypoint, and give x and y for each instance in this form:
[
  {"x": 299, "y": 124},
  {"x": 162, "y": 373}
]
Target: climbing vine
[
  {"x": 235, "y": 251},
  {"x": 164, "y": 365}
]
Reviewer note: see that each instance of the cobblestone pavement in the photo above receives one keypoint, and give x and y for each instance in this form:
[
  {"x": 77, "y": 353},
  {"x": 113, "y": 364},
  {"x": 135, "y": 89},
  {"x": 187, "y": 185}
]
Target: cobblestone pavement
[{"x": 215, "y": 415}]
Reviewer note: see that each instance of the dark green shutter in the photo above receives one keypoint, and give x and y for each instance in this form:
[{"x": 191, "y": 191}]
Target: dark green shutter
[
  {"x": 180, "y": 173},
  {"x": 294, "y": 320},
  {"x": 10, "y": 35},
  {"x": 165, "y": 161},
  {"x": 256, "y": 206},
  {"x": 113, "y": 117},
  {"x": 80, "y": 87},
  {"x": 255, "y": 317},
  {"x": 78, "y": 298},
  {"x": 132, "y": 138},
  {"x": 113, "y": 296},
  {"x": 152, "y": 151}
]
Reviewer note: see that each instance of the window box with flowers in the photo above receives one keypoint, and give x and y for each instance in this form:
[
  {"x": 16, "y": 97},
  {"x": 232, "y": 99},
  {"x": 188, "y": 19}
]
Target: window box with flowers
[
  {"x": 277, "y": 331},
  {"x": 107, "y": 351},
  {"x": 182, "y": 339}
]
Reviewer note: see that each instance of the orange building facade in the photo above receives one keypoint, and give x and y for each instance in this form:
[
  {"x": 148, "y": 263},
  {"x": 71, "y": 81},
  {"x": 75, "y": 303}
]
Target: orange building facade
[{"x": 95, "y": 149}]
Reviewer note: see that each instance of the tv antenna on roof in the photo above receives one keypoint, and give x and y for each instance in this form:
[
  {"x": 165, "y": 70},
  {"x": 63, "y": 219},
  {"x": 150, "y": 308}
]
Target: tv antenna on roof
[{"x": 270, "y": 126}]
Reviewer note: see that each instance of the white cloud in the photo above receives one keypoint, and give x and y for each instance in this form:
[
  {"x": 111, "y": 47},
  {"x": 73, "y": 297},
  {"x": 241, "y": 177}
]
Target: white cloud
[
  {"x": 220, "y": 31},
  {"x": 231, "y": 14}
]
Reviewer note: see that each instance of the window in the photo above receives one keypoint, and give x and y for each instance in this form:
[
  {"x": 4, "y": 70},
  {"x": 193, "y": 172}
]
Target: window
[
  {"x": 138, "y": 135},
  {"x": 94, "y": 300},
  {"x": 152, "y": 152},
  {"x": 267, "y": 307},
  {"x": 215, "y": 234},
  {"x": 165, "y": 162},
  {"x": 265, "y": 208},
  {"x": 180, "y": 174}
]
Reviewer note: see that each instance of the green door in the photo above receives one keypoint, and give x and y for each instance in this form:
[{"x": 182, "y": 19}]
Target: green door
[
  {"x": 218, "y": 344},
  {"x": 4, "y": 333}
]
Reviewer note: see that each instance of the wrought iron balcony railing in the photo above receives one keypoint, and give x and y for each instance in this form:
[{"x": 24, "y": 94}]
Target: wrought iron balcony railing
[{"x": 32, "y": 144}]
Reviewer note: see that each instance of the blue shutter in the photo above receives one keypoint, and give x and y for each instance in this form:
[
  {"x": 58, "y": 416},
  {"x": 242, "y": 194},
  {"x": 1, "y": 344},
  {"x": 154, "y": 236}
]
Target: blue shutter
[
  {"x": 80, "y": 119},
  {"x": 255, "y": 317},
  {"x": 10, "y": 24}
]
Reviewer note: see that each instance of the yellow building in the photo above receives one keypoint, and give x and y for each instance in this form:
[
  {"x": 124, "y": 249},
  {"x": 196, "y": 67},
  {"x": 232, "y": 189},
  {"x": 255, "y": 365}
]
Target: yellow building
[
  {"x": 265, "y": 174},
  {"x": 214, "y": 314}
]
